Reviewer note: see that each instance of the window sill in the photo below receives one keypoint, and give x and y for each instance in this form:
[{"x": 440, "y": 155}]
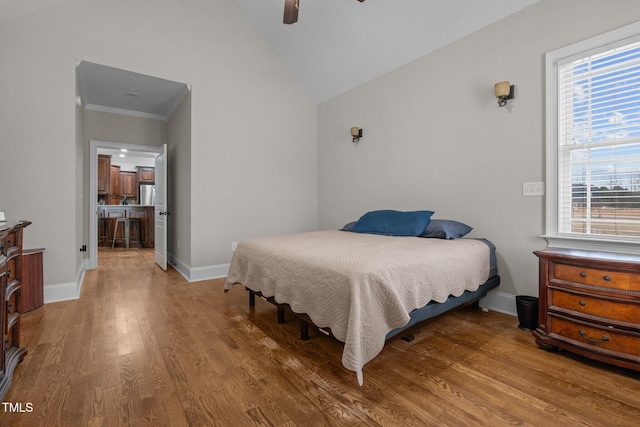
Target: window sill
[{"x": 603, "y": 245}]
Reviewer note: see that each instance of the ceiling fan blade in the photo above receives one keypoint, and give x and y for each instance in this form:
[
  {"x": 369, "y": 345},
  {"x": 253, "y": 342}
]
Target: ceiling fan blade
[{"x": 291, "y": 11}]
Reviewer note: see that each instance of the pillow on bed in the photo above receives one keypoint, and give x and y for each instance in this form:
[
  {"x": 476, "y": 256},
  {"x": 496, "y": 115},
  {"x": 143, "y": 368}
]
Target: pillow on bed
[
  {"x": 348, "y": 226},
  {"x": 393, "y": 223},
  {"x": 445, "y": 229}
]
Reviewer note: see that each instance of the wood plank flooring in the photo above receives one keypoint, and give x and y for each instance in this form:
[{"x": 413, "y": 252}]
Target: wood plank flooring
[{"x": 145, "y": 347}]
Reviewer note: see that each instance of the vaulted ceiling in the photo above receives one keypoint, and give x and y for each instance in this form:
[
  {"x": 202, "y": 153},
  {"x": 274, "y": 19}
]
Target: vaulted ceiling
[{"x": 337, "y": 45}]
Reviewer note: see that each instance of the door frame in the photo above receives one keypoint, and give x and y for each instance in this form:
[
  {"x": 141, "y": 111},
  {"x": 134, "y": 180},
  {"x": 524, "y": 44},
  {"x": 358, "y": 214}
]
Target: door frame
[{"x": 94, "y": 145}]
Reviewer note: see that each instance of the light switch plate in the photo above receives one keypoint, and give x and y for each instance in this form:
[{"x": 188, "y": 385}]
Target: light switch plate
[{"x": 533, "y": 189}]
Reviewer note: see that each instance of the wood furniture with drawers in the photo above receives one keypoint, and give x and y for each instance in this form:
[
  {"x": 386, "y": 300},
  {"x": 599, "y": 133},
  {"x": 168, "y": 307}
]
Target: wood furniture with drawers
[
  {"x": 590, "y": 305},
  {"x": 32, "y": 283},
  {"x": 11, "y": 274}
]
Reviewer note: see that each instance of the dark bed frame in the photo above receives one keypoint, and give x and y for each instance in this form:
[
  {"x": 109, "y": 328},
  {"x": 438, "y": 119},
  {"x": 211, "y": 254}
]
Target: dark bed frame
[{"x": 417, "y": 316}]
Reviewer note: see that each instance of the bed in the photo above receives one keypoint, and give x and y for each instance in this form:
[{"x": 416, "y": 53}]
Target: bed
[{"x": 364, "y": 288}]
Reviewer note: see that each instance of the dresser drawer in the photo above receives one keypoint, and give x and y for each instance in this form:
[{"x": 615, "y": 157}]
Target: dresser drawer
[
  {"x": 604, "y": 340},
  {"x": 612, "y": 279},
  {"x": 12, "y": 337},
  {"x": 12, "y": 303},
  {"x": 11, "y": 247},
  {"x": 621, "y": 312},
  {"x": 11, "y": 240},
  {"x": 11, "y": 270}
]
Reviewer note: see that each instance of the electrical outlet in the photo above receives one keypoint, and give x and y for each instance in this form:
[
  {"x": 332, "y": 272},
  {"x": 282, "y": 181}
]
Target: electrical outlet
[
  {"x": 532, "y": 189},
  {"x": 234, "y": 245}
]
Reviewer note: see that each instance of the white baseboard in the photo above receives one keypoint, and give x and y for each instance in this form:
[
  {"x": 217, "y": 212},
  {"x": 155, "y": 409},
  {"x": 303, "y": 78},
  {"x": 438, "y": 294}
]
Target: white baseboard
[
  {"x": 70, "y": 291},
  {"x": 495, "y": 300},
  {"x": 199, "y": 273},
  {"x": 65, "y": 291},
  {"x": 60, "y": 292},
  {"x": 500, "y": 302}
]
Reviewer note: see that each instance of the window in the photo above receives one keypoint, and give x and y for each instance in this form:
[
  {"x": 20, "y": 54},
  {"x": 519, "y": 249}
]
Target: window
[{"x": 593, "y": 142}]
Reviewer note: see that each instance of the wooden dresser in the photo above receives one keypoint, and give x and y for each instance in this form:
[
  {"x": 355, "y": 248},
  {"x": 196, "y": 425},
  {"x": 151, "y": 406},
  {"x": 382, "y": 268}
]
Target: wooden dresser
[
  {"x": 590, "y": 304},
  {"x": 11, "y": 267}
]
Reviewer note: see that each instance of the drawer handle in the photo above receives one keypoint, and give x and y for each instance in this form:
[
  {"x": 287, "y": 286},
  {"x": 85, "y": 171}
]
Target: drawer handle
[
  {"x": 10, "y": 307},
  {"x": 607, "y": 278},
  {"x": 582, "y": 303},
  {"x": 584, "y": 334},
  {"x": 583, "y": 274},
  {"x": 2, "y": 249},
  {"x": 7, "y": 344},
  {"x": 10, "y": 272}
]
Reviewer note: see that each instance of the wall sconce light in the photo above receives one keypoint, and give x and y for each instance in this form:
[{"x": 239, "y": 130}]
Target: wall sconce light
[
  {"x": 503, "y": 91},
  {"x": 356, "y": 133}
]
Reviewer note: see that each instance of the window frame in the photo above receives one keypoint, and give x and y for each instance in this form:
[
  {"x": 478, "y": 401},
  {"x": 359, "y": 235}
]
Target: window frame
[{"x": 609, "y": 40}]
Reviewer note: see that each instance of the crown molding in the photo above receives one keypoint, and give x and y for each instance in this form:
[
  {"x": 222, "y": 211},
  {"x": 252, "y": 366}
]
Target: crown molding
[{"x": 122, "y": 111}]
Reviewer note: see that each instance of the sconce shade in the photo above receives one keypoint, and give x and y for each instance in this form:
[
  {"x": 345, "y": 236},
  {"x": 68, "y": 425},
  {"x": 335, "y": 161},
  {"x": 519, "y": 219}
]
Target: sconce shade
[
  {"x": 501, "y": 89},
  {"x": 356, "y": 133}
]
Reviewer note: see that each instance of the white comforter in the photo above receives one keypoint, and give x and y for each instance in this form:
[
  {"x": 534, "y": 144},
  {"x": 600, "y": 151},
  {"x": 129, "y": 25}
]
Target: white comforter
[{"x": 360, "y": 285}]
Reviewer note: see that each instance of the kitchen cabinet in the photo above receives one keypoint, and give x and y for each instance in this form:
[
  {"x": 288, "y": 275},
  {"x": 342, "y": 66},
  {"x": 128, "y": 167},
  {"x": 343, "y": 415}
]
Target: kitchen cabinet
[
  {"x": 128, "y": 184},
  {"x": 114, "y": 181},
  {"x": 114, "y": 186},
  {"x": 104, "y": 169},
  {"x": 146, "y": 175}
]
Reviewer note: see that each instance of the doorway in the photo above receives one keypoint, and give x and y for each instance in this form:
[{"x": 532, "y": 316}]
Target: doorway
[
  {"x": 144, "y": 113},
  {"x": 95, "y": 148}
]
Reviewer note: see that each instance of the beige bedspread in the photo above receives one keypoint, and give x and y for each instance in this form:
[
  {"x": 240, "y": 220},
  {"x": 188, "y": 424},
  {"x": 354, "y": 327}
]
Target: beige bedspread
[{"x": 360, "y": 285}]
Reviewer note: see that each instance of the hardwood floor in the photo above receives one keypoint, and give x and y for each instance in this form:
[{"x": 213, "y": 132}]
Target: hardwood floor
[{"x": 145, "y": 347}]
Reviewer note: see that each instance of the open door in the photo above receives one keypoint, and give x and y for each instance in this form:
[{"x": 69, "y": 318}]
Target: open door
[{"x": 161, "y": 212}]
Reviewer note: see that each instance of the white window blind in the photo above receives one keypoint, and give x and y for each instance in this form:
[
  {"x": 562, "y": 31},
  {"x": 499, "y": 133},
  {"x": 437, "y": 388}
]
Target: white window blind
[{"x": 598, "y": 124}]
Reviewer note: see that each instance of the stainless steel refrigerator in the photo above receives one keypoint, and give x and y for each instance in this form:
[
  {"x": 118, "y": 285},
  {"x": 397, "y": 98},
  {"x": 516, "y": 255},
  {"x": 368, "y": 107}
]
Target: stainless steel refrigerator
[{"x": 147, "y": 194}]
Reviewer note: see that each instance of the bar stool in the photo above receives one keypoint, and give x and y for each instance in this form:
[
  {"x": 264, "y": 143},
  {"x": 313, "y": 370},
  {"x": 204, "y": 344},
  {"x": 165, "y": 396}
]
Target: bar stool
[
  {"x": 125, "y": 232},
  {"x": 103, "y": 230},
  {"x": 135, "y": 227},
  {"x": 128, "y": 225}
]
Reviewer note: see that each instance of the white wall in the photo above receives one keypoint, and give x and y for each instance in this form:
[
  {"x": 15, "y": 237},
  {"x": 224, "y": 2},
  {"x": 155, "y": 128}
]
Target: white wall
[
  {"x": 110, "y": 127},
  {"x": 434, "y": 137},
  {"x": 253, "y": 150},
  {"x": 179, "y": 187}
]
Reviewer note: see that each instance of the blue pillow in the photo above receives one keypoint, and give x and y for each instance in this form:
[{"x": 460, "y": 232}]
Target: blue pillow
[
  {"x": 445, "y": 229},
  {"x": 393, "y": 223}
]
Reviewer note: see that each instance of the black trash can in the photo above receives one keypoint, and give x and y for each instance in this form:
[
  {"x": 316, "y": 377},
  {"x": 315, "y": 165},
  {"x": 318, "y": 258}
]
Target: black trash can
[{"x": 527, "y": 312}]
